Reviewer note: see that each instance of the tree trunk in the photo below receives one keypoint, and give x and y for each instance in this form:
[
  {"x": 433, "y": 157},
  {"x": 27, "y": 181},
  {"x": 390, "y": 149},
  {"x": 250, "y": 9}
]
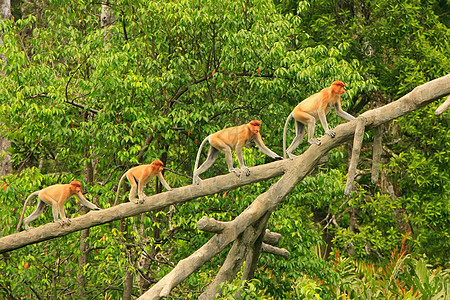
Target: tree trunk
[{"x": 5, "y": 158}]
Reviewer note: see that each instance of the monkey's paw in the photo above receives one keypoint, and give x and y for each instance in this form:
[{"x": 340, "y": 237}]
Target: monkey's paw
[
  {"x": 140, "y": 200},
  {"x": 292, "y": 156},
  {"x": 246, "y": 171},
  {"x": 331, "y": 133},
  {"x": 236, "y": 171},
  {"x": 64, "y": 222},
  {"x": 315, "y": 141}
]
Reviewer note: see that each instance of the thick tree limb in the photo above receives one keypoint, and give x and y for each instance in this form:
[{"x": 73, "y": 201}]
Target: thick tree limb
[
  {"x": 209, "y": 186},
  {"x": 235, "y": 257}
]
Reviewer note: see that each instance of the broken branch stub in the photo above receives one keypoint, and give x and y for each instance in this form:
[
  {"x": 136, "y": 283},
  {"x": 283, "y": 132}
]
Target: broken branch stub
[
  {"x": 443, "y": 107},
  {"x": 357, "y": 142}
]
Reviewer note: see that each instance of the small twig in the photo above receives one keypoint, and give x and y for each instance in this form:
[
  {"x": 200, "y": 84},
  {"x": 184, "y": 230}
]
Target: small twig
[{"x": 178, "y": 173}]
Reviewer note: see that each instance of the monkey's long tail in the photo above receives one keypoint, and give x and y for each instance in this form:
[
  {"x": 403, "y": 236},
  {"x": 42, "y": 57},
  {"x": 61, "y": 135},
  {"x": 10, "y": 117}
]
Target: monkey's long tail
[
  {"x": 24, "y": 208},
  {"x": 199, "y": 152},
  {"x": 118, "y": 188},
  {"x": 284, "y": 134}
]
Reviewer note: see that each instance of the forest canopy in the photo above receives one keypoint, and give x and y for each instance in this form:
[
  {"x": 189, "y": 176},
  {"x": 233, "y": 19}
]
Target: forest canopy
[{"x": 89, "y": 90}]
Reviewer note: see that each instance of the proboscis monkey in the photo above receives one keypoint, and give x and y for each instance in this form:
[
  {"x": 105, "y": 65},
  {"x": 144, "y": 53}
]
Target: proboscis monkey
[
  {"x": 228, "y": 139},
  {"x": 142, "y": 174},
  {"x": 312, "y": 108},
  {"x": 55, "y": 195}
]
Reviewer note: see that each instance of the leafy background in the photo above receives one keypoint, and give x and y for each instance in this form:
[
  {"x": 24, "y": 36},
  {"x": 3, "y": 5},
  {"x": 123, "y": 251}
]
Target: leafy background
[{"x": 81, "y": 101}]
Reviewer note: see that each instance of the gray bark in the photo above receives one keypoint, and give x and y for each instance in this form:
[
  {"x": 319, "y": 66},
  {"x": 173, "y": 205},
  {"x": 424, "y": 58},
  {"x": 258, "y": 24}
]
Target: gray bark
[
  {"x": 443, "y": 107},
  {"x": 5, "y": 9},
  {"x": 5, "y": 158},
  {"x": 357, "y": 142},
  {"x": 5, "y": 13}
]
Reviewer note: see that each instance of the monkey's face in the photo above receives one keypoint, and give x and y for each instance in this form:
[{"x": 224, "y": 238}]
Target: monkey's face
[
  {"x": 158, "y": 166},
  {"x": 255, "y": 128},
  {"x": 75, "y": 188}
]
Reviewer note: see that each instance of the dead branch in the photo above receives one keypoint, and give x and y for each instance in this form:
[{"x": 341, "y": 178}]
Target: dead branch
[
  {"x": 236, "y": 257},
  {"x": 357, "y": 142},
  {"x": 275, "y": 250},
  {"x": 272, "y": 238},
  {"x": 443, "y": 107}
]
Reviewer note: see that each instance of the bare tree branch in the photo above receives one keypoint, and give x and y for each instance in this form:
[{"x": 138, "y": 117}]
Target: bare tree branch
[
  {"x": 275, "y": 250},
  {"x": 356, "y": 150},
  {"x": 443, "y": 107}
]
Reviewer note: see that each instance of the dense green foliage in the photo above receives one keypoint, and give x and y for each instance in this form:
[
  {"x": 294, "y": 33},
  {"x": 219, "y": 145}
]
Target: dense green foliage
[{"x": 82, "y": 102}]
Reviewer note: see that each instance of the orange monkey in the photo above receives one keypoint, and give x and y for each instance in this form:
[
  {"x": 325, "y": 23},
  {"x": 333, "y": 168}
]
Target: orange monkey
[
  {"x": 228, "y": 139},
  {"x": 142, "y": 174},
  {"x": 312, "y": 108},
  {"x": 55, "y": 195}
]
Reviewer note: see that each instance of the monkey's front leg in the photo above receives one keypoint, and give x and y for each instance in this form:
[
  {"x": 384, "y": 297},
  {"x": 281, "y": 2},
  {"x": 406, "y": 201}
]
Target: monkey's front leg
[
  {"x": 229, "y": 160},
  {"x": 63, "y": 222},
  {"x": 323, "y": 120},
  {"x": 240, "y": 156}
]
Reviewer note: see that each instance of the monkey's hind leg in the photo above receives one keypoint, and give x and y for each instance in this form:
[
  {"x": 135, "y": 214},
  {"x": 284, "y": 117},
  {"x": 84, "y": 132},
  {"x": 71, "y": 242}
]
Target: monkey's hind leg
[
  {"x": 211, "y": 158},
  {"x": 39, "y": 210},
  {"x": 229, "y": 160},
  {"x": 134, "y": 188},
  {"x": 245, "y": 170},
  {"x": 299, "y": 134},
  {"x": 141, "y": 194}
]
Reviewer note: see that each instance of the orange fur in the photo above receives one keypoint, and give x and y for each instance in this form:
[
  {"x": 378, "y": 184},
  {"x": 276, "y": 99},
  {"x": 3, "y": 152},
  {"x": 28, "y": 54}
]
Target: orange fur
[
  {"x": 228, "y": 139},
  {"x": 55, "y": 195},
  {"x": 312, "y": 108},
  {"x": 142, "y": 174}
]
